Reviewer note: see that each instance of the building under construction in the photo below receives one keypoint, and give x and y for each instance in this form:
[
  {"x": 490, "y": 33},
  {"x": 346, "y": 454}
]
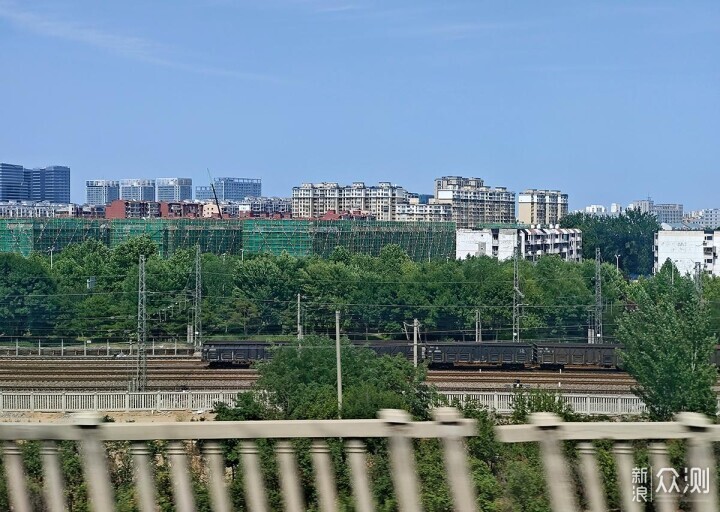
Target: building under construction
[{"x": 422, "y": 240}]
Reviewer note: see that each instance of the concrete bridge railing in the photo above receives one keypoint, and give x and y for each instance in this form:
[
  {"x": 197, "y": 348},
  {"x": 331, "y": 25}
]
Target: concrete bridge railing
[
  {"x": 570, "y": 480},
  {"x": 659, "y": 482},
  {"x": 91, "y": 434}
]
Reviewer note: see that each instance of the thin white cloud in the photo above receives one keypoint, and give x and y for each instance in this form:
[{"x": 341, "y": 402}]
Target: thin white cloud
[
  {"x": 462, "y": 29},
  {"x": 131, "y": 47}
]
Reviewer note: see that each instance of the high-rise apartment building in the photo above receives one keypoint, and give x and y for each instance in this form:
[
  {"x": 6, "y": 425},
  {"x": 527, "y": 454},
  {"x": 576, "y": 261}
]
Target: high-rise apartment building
[
  {"x": 174, "y": 189},
  {"x": 313, "y": 200},
  {"x": 137, "y": 190},
  {"x": 99, "y": 192},
  {"x": 543, "y": 207},
  {"x": 41, "y": 184},
  {"x": 473, "y": 203},
  {"x": 230, "y": 189}
]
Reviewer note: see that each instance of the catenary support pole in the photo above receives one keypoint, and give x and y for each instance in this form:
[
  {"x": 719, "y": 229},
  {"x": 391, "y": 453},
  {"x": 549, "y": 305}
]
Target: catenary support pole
[
  {"x": 338, "y": 362},
  {"x": 416, "y": 326}
]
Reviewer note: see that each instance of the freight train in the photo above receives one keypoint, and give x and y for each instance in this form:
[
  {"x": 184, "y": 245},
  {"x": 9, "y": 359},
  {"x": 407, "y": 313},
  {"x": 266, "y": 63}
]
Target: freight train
[{"x": 510, "y": 355}]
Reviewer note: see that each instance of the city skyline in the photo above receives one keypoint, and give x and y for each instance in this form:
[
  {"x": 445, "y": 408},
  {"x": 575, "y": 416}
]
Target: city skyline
[{"x": 605, "y": 102}]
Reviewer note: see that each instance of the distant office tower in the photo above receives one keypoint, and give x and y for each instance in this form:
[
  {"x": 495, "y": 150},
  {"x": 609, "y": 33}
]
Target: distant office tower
[
  {"x": 98, "y": 192},
  {"x": 230, "y": 189},
  {"x": 474, "y": 204},
  {"x": 642, "y": 205},
  {"x": 313, "y": 200},
  {"x": 41, "y": 184},
  {"x": 542, "y": 206},
  {"x": 50, "y": 184},
  {"x": 595, "y": 209},
  {"x": 671, "y": 213},
  {"x": 137, "y": 190},
  {"x": 13, "y": 184},
  {"x": 174, "y": 189}
]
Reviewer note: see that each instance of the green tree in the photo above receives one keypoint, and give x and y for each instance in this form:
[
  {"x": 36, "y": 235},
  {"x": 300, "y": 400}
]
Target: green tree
[
  {"x": 668, "y": 345},
  {"x": 629, "y": 235},
  {"x": 28, "y": 303}
]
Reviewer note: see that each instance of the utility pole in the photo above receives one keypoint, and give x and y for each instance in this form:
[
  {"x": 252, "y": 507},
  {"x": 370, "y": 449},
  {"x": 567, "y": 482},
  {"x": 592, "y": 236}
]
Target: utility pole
[
  {"x": 140, "y": 380},
  {"x": 416, "y": 328},
  {"x": 197, "y": 310},
  {"x": 598, "y": 298},
  {"x": 698, "y": 278},
  {"x": 517, "y": 294},
  {"x": 478, "y": 327},
  {"x": 338, "y": 363},
  {"x": 299, "y": 324}
]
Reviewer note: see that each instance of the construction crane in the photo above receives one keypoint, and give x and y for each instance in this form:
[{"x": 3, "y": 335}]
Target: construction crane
[{"x": 212, "y": 185}]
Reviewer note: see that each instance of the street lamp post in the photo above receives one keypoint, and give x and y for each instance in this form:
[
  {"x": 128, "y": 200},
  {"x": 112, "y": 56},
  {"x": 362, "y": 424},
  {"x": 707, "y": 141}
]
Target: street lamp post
[{"x": 617, "y": 263}]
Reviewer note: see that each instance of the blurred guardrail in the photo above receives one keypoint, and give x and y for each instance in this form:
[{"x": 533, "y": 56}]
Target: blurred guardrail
[
  {"x": 570, "y": 462},
  {"x": 91, "y": 434},
  {"x": 657, "y": 481}
]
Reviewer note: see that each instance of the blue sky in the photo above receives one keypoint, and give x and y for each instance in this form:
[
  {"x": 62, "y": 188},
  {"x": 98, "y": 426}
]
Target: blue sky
[{"x": 608, "y": 101}]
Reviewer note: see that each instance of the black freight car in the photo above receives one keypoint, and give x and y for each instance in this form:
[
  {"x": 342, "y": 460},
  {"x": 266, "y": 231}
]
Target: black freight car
[
  {"x": 236, "y": 353},
  {"x": 560, "y": 355},
  {"x": 503, "y": 354}
]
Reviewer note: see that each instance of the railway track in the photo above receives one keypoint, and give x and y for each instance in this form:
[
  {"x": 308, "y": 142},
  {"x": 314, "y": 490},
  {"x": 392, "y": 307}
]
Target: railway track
[{"x": 113, "y": 373}]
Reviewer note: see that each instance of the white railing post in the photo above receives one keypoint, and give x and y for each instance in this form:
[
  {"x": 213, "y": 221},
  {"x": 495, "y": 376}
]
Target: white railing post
[
  {"x": 700, "y": 456},
  {"x": 15, "y": 474},
  {"x": 54, "y": 486},
  {"x": 95, "y": 462},
  {"x": 456, "y": 466},
  {"x": 402, "y": 460},
  {"x": 358, "y": 472},
  {"x": 557, "y": 476}
]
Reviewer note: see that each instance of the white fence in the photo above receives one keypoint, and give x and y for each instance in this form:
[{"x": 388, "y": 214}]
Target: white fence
[
  {"x": 608, "y": 405},
  {"x": 204, "y": 400},
  {"x": 113, "y": 401}
]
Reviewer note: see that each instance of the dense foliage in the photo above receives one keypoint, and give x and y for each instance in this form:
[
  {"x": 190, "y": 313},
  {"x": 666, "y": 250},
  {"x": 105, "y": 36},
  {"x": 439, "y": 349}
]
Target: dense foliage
[
  {"x": 629, "y": 236},
  {"x": 91, "y": 292},
  {"x": 668, "y": 345}
]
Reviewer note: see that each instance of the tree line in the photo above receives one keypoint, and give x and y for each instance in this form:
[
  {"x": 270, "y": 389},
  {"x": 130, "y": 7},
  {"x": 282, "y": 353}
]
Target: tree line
[{"x": 90, "y": 291}]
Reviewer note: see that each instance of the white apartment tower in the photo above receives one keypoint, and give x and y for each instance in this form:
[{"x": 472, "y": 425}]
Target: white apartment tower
[
  {"x": 544, "y": 207},
  {"x": 472, "y": 203},
  {"x": 313, "y": 200}
]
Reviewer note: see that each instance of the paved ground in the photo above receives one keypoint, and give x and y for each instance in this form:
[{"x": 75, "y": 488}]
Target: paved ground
[{"x": 140, "y": 417}]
